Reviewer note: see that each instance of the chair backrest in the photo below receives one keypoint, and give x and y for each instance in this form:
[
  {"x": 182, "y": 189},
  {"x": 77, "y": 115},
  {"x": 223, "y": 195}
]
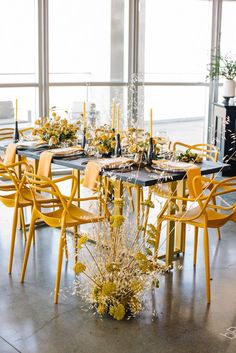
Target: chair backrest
[
  {"x": 207, "y": 151},
  {"x": 8, "y": 172},
  {"x": 41, "y": 184},
  {"x": 6, "y": 133},
  {"x": 26, "y": 131},
  {"x": 227, "y": 186}
]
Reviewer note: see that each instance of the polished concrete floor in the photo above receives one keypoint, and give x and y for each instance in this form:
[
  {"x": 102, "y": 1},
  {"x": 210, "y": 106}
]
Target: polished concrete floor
[{"x": 30, "y": 322}]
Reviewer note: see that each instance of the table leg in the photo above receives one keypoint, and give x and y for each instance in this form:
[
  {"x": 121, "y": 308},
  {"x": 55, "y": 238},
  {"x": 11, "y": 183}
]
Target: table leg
[
  {"x": 181, "y": 227},
  {"x": 170, "y": 230},
  {"x": 118, "y": 193}
]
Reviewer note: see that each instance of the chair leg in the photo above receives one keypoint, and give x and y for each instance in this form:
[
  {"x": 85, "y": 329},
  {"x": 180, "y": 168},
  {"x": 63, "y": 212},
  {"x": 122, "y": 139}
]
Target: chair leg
[
  {"x": 34, "y": 229},
  {"x": 23, "y": 223},
  {"x": 59, "y": 265},
  {"x": 130, "y": 195},
  {"x": 195, "y": 245},
  {"x": 138, "y": 205},
  {"x": 66, "y": 248},
  {"x": 75, "y": 244},
  {"x": 27, "y": 250},
  {"x": 207, "y": 265},
  {"x": 13, "y": 238},
  {"x": 218, "y": 233}
]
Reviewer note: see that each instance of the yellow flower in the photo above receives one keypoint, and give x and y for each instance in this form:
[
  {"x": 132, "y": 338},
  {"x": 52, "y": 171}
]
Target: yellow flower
[
  {"x": 82, "y": 240},
  {"x": 37, "y": 122},
  {"x": 101, "y": 309},
  {"x": 117, "y": 312},
  {"x": 108, "y": 288},
  {"x": 117, "y": 221},
  {"x": 79, "y": 268},
  {"x": 54, "y": 114},
  {"x": 53, "y": 140}
]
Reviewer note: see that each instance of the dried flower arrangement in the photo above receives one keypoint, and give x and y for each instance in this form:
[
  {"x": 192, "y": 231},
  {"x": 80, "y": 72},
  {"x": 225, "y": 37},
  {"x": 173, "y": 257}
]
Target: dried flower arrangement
[{"x": 120, "y": 269}]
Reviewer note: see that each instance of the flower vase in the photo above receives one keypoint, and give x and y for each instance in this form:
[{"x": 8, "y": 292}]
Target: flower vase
[{"x": 228, "y": 90}]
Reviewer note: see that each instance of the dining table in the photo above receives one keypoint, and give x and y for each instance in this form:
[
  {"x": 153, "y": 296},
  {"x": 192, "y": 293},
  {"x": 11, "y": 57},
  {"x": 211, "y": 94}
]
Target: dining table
[{"x": 139, "y": 176}]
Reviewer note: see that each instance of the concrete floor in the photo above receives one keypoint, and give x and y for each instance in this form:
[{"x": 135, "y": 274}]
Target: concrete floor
[{"x": 30, "y": 322}]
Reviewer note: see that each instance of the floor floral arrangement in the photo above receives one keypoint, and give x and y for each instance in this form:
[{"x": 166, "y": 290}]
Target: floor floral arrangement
[{"x": 114, "y": 275}]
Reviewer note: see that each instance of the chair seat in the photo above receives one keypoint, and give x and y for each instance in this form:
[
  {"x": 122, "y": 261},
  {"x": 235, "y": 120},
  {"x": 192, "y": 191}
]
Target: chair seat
[
  {"x": 25, "y": 198},
  {"x": 54, "y": 218},
  {"x": 215, "y": 218}
]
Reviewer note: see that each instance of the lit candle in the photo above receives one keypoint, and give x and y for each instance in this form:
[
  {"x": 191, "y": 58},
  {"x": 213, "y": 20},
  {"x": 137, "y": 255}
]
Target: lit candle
[
  {"x": 84, "y": 114},
  {"x": 113, "y": 114},
  {"x": 118, "y": 118},
  {"x": 16, "y": 109},
  {"x": 150, "y": 122}
]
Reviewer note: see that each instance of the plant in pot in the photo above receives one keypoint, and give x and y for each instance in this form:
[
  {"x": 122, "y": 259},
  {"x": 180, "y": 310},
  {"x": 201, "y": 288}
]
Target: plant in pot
[{"x": 224, "y": 66}]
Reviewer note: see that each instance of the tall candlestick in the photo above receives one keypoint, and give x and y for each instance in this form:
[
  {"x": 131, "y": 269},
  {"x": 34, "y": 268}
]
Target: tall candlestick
[
  {"x": 150, "y": 122},
  {"x": 118, "y": 118},
  {"x": 16, "y": 109},
  {"x": 84, "y": 114},
  {"x": 113, "y": 114}
]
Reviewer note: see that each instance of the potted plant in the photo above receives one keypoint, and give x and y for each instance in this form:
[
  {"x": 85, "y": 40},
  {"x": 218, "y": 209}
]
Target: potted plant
[{"x": 224, "y": 66}]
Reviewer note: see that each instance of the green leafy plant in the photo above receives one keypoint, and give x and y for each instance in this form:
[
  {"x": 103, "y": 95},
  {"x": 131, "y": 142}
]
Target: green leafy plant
[{"x": 222, "y": 66}]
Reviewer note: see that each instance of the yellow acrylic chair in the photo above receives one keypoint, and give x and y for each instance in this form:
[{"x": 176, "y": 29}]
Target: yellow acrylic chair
[
  {"x": 26, "y": 131},
  {"x": 65, "y": 214},
  {"x": 13, "y": 197},
  {"x": 6, "y": 133},
  {"x": 202, "y": 213},
  {"x": 206, "y": 151},
  {"x": 17, "y": 195}
]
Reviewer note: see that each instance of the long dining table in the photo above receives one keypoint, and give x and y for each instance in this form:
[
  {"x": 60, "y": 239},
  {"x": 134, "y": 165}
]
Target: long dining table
[{"x": 141, "y": 177}]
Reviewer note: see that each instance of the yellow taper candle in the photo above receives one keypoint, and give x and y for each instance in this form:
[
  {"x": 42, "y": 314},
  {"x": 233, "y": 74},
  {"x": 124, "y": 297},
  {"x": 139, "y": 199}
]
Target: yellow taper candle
[
  {"x": 16, "y": 109},
  {"x": 113, "y": 114},
  {"x": 150, "y": 122},
  {"x": 84, "y": 114},
  {"x": 118, "y": 118}
]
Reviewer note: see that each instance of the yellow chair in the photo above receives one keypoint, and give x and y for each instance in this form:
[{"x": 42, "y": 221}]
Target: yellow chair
[
  {"x": 206, "y": 151},
  {"x": 6, "y": 133},
  {"x": 13, "y": 197},
  {"x": 65, "y": 214},
  {"x": 202, "y": 213},
  {"x": 26, "y": 131}
]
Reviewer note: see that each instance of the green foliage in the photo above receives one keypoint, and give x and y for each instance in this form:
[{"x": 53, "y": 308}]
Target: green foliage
[{"x": 222, "y": 66}]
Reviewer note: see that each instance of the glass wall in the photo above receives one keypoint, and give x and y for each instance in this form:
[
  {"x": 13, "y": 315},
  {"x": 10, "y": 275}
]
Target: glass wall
[
  {"x": 88, "y": 49},
  {"x": 18, "y": 59},
  {"x": 177, "y": 50}
]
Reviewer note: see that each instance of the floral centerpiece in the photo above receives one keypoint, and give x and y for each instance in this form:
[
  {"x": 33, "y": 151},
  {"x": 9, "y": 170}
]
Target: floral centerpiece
[
  {"x": 56, "y": 130},
  {"x": 103, "y": 141},
  {"x": 189, "y": 156},
  {"x": 120, "y": 269},
  {"x": 137, "y": 142}
]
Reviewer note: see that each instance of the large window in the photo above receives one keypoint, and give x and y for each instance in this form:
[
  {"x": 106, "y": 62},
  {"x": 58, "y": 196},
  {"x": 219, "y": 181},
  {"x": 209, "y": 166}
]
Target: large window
[
  {"x": 88, "y": 43},
  {"x": 177, "y": 50},
  {"x": 19, "y": 57},
  {"x": 87, "y": 50}
]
